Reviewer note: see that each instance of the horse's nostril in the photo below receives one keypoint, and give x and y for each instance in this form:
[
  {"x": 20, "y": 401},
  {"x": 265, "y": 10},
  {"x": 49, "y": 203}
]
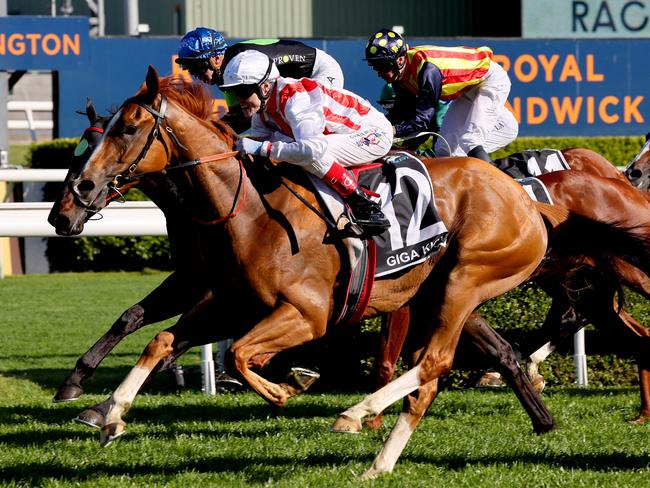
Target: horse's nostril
[{"x": 85, "y": 186}]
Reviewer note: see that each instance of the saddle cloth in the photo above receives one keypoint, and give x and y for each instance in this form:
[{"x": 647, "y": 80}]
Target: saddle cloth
[
  {"x": 532, "y": 162},
  {"x": 416, "y": 232}
]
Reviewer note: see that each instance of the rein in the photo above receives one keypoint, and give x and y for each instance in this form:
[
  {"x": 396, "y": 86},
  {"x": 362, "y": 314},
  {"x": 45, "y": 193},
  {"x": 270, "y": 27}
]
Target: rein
[
  {"x": 159, "y": 116},
  {"x": 121, "y": 180}
]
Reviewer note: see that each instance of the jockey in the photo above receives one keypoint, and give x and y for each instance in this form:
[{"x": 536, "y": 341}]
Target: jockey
[
  {"x": 477, "y": 121},
  {"x": 304, "y": 122},
  {"x": 292, "y": 58}
]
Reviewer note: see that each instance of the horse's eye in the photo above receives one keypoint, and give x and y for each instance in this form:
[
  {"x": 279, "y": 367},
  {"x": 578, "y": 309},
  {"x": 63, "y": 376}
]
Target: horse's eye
[{"x": 130, "y": 130}]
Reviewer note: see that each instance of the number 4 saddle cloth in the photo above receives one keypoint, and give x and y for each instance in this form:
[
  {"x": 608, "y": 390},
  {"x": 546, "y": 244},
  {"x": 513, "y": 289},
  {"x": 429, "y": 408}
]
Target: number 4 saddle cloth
[{"x": 416, "y": 233}]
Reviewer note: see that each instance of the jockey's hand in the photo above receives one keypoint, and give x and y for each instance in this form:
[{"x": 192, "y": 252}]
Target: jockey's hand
[{"x": 251, "y": 146}]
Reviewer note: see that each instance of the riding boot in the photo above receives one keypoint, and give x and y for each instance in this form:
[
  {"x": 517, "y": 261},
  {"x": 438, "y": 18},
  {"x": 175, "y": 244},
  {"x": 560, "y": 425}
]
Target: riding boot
[
  {"x": 479, "y": 153},
  {"x": 365, "y": 212}
]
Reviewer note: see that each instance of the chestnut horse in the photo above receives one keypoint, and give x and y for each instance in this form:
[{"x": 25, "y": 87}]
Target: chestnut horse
[
  {"x": 163, "y": 303},
  {"x": 287, "y": 279}
]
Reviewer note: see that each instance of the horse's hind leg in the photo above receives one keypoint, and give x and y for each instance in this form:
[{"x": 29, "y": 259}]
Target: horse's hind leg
[
  {"x": 414, "y": 407},
  {"x": 640, "y": 335},
  {"x": 596, "y": 305},
  {"x": 492, "y": 345},
  {"x": 172, "y": 297},
  {"x": 394, "y": 328}
]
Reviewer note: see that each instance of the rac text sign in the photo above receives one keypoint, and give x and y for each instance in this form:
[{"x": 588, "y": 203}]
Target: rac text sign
[{"x": 585, "y": 18}]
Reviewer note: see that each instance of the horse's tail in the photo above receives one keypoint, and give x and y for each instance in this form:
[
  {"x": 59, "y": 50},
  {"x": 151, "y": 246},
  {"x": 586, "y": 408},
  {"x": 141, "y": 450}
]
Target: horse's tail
[
  {"x": 554, "y": 215},
  {"x": 580, "y": 236}
]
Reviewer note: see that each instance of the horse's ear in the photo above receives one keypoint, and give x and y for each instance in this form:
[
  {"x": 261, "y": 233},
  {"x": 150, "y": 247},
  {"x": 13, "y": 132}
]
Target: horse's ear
[
  {"x": 647, "y": 137},
  {"x": 153, "y": 85},
  {"x": 90, "y": 112}
]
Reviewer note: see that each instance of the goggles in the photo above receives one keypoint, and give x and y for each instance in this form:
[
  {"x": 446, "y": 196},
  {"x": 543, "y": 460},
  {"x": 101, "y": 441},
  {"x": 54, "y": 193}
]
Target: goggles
[
  {"x": 243, "y": 91},
  {"x": 382, "y": 65},
  {"x": 196, "y": 65}
]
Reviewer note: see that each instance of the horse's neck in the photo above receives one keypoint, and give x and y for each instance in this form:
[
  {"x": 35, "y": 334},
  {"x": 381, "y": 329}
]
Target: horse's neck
[{"x": 222, "y": 184}]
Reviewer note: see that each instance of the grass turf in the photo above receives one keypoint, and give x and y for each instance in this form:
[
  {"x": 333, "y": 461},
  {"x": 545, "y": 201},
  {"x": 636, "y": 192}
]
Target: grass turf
[{"x": 470, "y": 438}]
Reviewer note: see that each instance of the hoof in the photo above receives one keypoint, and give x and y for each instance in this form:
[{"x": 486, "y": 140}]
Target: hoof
[
  {"x": 372, "y": 473},
  {"x": 111, "y": 432},
  {"x": 91, "y": 418},
  {"x": 302, "y": 378},
  {"x": 539, "y": 383},
  {"x": 225, "y": 383},
  {"x": 67, "y": 393},
  {"x": 640, "y": 420},
  {"x": 346, "y": 425},
  {"x": 374, "y": 423},
  {"x": 544, "y": 428}
]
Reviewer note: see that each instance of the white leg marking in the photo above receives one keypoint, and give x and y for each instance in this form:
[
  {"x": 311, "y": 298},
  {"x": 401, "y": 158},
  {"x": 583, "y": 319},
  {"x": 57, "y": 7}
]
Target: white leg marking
[
  {"x": 386, "y": 396},
  {"x": 393, "y": 447},
  {"x": 542, "y": 353},
  {"x": 123, "y": 396}
]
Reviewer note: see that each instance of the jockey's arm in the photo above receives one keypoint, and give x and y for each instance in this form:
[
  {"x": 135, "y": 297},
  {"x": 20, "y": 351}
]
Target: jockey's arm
[
  {"x": 307, "y": 123},
  {"x": 430, "y": 90}
]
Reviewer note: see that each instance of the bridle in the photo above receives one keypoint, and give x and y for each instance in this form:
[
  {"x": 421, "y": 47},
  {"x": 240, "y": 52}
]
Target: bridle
[{"x": 159, "y": 116}]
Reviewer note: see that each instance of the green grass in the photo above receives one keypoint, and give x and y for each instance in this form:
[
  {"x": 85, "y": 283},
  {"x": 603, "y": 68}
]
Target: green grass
[{"x": 469, "y": 438}]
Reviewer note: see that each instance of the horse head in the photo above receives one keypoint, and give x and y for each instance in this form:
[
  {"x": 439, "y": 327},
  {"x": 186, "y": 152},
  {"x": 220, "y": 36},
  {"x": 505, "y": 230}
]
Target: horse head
[
  {"x": 141, "y": 139},
  {"x": 87, "y": 143},
  {"x": 638, "y": 171}
]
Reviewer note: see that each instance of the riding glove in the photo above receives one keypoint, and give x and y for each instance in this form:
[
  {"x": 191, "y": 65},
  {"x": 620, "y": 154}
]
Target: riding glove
[{"x": 250, "y": 146}]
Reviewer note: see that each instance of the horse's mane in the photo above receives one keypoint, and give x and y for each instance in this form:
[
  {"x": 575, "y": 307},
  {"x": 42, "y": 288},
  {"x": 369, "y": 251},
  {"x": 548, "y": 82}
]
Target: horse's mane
[{"x": 195, "y": 98}]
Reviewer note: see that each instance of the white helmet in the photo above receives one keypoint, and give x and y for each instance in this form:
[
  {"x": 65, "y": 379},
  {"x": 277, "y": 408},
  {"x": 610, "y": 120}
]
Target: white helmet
[{"x": 249, "y": 68}]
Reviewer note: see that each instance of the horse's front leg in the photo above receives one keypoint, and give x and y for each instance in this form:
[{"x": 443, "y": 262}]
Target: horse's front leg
[
  {"x": 122, "y": 398},
  {"x": 193, "y": 329},
  {"x": 283, "y": 328},
  {"x": 414, "y": 407},
  {"x": 173, "y": 296}
]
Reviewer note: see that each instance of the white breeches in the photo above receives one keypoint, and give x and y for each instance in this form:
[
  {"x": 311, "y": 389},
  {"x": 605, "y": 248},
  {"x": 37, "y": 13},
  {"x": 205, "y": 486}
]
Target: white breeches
[
  {"x": 479, "y": 117},
  {"x": 373, "y": 141}
]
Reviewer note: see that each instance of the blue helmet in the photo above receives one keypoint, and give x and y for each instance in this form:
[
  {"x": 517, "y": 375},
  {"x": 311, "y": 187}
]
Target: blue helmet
[{"x": 201, "y": 43}]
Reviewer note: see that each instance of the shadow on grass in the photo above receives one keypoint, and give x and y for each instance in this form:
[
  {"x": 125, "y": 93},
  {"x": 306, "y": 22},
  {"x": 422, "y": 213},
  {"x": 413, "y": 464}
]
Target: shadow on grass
[
  {"x": 261, "y": 468},
  {"x": 57, "y": 418}
]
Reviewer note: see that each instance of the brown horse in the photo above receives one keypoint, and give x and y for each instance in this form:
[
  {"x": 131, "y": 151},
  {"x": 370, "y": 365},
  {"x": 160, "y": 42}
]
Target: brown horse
[
  {"x": 580, "y": 159},
  {"x": 179, "y": 292},
  {"x": 282, "y": 262}
]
